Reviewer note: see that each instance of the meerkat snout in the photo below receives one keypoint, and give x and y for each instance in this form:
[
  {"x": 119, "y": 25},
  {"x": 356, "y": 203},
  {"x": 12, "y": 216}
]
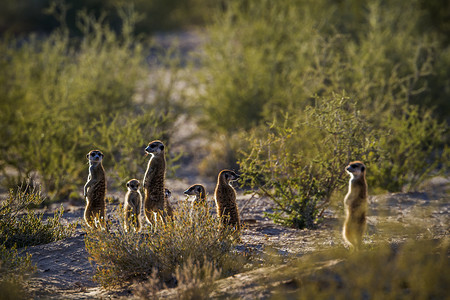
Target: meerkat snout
[
  {"x": 355, "y": 169},
  {"x": 231, "y": 176},
  {"x": 154, "y": 147},
  {"x": 95, "y": 156}
]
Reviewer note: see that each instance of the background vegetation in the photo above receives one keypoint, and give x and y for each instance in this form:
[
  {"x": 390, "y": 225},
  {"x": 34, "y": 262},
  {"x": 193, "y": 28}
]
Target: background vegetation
[
  {"x": 63, "y": 97},
  {"x": 291, "y": 90}
]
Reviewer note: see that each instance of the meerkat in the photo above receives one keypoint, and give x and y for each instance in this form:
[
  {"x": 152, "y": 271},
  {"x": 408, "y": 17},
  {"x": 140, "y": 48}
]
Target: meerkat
[
  {"x": 168, "y": 207},
  {"x": 132, "y": 206},
  {"x": 355, "y": 204},
  {"x": 225, "y": 197},
  {"x": 199, "y": 192},
  {"x": 95, "y": 191},
  {"x": 153, "y": 183}
]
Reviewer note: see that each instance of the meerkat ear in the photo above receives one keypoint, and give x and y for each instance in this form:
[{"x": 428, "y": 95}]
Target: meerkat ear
[
  {"x": 87, "y": 155},
  {"x": 128, "y": 184}
]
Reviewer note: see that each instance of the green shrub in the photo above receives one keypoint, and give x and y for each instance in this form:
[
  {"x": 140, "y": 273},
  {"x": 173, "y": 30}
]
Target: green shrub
[
  {"x": 20, "y": 226},
  {"x": 300, "y": 163},
  {"x": 15, "y": 269},
  {"x": 193, "y": 236},
  {"x": 415, "y": 149}
]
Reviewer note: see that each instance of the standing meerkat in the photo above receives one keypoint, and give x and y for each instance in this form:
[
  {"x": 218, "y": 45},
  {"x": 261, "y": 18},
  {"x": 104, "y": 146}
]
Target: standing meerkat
[
  {"x": 355, "y": 204},
  {"x": 199, "y": 192},
  {"x": 132, "y": 206},
  {"x": 225, "y": 197},
  {"x": 167, "y": 206},
  {"x": 154, "y": 178},
  {"x": 95, "y": 191}
]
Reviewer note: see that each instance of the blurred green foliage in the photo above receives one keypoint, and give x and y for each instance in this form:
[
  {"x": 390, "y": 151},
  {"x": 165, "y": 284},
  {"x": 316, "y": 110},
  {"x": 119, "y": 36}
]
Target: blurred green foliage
[
  {"x": 266, "y": 57},
  {"x": 25, "y": 16},
  {"x": 63, "y": 97}
]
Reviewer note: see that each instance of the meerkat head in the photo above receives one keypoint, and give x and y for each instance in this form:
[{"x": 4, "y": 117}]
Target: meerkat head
[
  {"x": 133, "y": 185},
  {"x": 195, "y": 190},
  {"x": 155, "y": 148},
  {"x": 95, "y": 157},
  {"x": 228, "y": 175},
  {"x": 167, "y": 193},
  {"x": 356, "y": 169}
]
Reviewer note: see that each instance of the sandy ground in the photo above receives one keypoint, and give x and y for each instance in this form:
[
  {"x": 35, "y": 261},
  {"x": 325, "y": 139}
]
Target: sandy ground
[{"x": 65, "y": 272}]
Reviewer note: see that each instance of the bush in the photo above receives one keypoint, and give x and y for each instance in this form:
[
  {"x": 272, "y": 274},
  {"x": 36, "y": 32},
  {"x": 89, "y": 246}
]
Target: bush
[
  {"x": 20, "y": 226},
  {"x": 14, "y": 271},
  {"x": 300, "y": 163},
  {"x": 415, "y": 149},
  {"x": 193, "y": 236}
]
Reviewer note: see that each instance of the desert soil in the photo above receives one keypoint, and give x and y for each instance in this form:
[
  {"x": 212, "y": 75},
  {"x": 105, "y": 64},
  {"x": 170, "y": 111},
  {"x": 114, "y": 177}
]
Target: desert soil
[{"x": 64, "y": 270}]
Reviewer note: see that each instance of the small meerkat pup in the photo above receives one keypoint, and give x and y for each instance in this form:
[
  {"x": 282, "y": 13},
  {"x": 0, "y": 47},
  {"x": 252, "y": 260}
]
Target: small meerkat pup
[
  {"x": 132, "y": 206},
  {"x": 225, "y": 197},
  {"x": 199, "y": 192},
  {"x": 153, "y": 183},
  {"x": 95, "y": 191},
  {"x": 168, "y": 207},
  {"x": 355, "y": 204}
]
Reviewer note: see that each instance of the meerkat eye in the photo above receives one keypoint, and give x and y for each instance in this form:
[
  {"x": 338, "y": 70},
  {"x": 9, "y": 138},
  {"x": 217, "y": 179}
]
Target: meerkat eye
[
  {"x": 354, "y": 166},
  {"x": 161, "y": 147}
]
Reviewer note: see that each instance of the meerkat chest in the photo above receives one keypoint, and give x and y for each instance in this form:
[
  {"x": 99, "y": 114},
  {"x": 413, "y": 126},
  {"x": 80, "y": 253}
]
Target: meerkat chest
[
  {"x": 353, "y": 193},
  {"x": 225, "y": 193},
  {"x": 155, "y": 174}
]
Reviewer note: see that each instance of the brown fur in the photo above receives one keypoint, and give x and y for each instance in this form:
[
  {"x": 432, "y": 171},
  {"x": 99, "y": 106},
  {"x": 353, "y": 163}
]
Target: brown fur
[
  {"x": 154, "y": 179},
  {"x": 132, "y": 206},
  {"x": 95, "y": 192},
  {"x": 225, "y": 197},
  {"x": 355, "y": 204}
]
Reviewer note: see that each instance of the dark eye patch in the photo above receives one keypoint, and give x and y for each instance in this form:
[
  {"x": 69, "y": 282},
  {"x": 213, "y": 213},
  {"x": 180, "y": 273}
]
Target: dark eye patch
[{"x": 354, "y": 166}]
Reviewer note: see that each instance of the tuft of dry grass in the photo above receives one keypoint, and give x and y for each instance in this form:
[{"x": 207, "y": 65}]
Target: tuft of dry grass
[
  {"x": 412, "y": 270},
  {"x": 193, "y": 237}
]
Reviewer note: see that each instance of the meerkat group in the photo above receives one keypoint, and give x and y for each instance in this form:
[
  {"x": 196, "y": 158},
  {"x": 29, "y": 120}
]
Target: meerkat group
[{"x": 156, "y": 200}]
